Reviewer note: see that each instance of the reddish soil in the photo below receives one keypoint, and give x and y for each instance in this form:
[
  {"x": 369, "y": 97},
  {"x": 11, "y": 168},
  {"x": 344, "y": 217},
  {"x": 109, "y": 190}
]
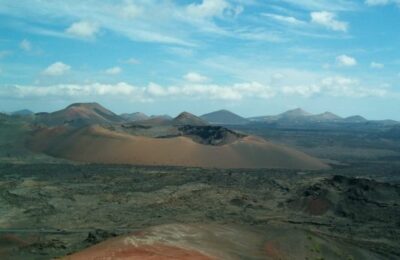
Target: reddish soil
[
  {"x": 99, "y": 145},
  {"x": 117, "y": 249},
  {"x": 272, "y": 250}
]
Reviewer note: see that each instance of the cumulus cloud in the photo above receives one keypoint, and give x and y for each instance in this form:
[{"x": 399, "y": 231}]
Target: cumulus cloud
[
  {"x": 328, "y": 20},
  {"x": 143, "y": 94},
  {"x": 212, "y": 91},
  {"x": 376, "y": 65},
  {"x": 71, "y": 90},
  {"x": 336, "y": 86},
  {"x": 349, "y": 87},
  {"x": 25, "y": 45},
  {"x": 83, "y": 29},
  {"x": 346, "y": 61},
  {"x": 113, "y": 71},
  {"x": 195, "y": 77},
  {"x": 56, "y": 69}
]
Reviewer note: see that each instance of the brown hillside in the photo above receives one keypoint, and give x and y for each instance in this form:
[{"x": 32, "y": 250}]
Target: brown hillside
[
  {"x": 186, "y": 118},
  {"x": 98, "y": 145}
]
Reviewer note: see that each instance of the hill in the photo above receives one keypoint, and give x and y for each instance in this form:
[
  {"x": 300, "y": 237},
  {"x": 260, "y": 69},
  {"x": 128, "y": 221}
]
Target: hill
[
  {"x": 186, "y": 118},
  {"x": 96, "y": 144},
  {"x": 224, "y": 117},
  {"x": 79, "y": 114}
]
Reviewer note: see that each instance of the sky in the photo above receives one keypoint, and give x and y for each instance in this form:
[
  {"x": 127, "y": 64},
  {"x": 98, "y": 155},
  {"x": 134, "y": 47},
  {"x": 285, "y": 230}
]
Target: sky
[{"x": 253, "y": 57}]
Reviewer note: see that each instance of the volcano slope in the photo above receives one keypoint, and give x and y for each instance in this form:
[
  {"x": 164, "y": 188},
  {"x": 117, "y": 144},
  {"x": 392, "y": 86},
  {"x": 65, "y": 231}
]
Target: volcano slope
[
  {"x": 211, "y": 241},
  {"x": 196, "y": 146}
]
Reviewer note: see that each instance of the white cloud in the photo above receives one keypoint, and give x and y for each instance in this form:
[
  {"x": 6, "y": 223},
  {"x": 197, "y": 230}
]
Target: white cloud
[
  {"x": 130, "y": 10},
  {"x": 328, "y": 20},
  {"x": 195, "y": 77},
  {"x": 132, "y": 61},
  {"x": 301, "y": 90},
  {"x": 71, "y": 90},
  {"x": 56, "y": 69},
  {"x": 330, "y": 5},
  {"x": 25, "y": 45},
  {"x": 336, "y": 86},
  {"x": 376, "y": 65},
  {"x": 349, "y": 87},
  {"x": 152, "y": 91},
  {"x": 83, "y": 29},
  {"x": 113, "y": 71},
  {"x": 168, "y": 22},
  {"x": 346, "y": 61},
  {"x": 285, "y": 19},
  {"x": 208, "y": 8}
]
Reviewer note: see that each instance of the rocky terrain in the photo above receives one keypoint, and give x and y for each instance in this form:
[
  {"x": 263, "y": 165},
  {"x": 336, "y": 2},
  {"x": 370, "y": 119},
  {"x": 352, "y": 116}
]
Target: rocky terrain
[{"x": 54, "y": 210}]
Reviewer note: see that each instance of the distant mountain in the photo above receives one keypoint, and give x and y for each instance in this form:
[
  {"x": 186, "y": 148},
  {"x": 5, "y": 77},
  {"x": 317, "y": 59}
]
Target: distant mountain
[
  {"x": 224, "y": 117},
  {"x": 138, "y": 116},
  {"x": 299, "y": 116},
  {"x": 186, "y": 118},
  {"x": 294, "y": 113},
  {"x": 325, "y": 117},
  {"x": 289, "y": 115},
  {"x": 79, "y": 114},
  {"x": 23, "y": 112},
  {"x": 355, "y": 119}
]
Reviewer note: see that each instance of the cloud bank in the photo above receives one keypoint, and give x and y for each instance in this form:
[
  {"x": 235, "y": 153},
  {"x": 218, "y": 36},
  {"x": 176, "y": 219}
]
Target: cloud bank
[{"x": 331, "y": 86}]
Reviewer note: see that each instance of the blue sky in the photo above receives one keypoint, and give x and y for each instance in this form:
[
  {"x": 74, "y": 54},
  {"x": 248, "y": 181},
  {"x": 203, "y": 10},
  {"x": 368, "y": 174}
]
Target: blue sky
[{"x": 252, "y": 57}]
